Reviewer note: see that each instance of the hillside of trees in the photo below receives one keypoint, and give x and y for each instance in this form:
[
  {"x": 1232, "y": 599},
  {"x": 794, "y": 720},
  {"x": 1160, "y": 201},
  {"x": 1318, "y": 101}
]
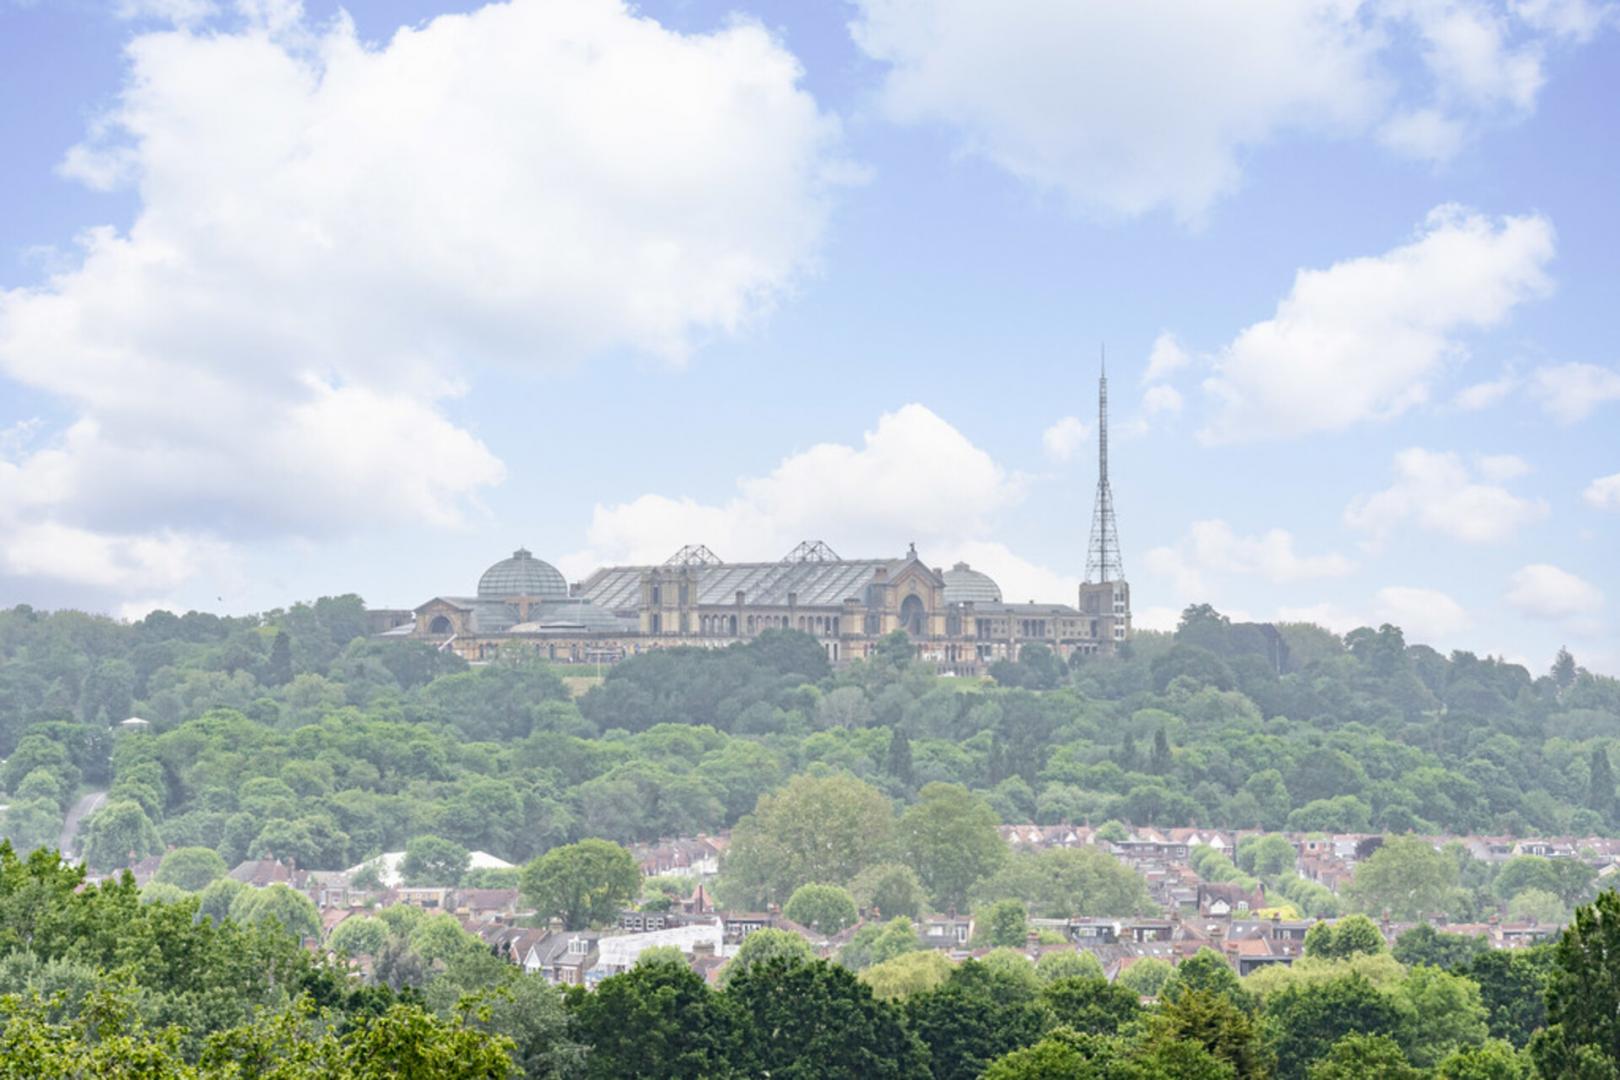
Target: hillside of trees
[{"x": 291, "y": 734}]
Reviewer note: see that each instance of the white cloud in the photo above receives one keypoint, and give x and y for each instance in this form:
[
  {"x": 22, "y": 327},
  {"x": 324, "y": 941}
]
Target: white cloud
[
  {"x": 1126, "y": 108},
  {"x": 1578, "y": 20},
  {"x": 1483, "y": 395},
  {"x": 1500, "y": 467},
  {"x": 331, "y": 233},
  {"x": 1569, "y": 392},
  {"x": 1543, "y": 591},
  {"x": 178, "y": 12},
  {"x": 1425, "y": 615},
  {"x": 1157, "y": 399},
  {"x": 1164, "y": 619},
  {"x": 1437, "y": 492},
  {"x": 1212, "y": 547},
  {"x": 1604, "y": 492},
  {"x": 913, "y": 478},
  {"x": 1363, "y": 339},
  {"x": 1166, "y": 358},
  {"x": 1064, "y": 438}
]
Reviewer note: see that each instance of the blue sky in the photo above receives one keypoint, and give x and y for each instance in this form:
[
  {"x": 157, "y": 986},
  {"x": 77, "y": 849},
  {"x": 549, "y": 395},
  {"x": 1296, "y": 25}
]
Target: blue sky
[{"x": 293, "y": 303}]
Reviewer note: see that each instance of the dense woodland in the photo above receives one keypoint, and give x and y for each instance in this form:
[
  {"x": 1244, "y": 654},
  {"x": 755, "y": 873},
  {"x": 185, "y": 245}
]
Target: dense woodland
[
  {"x": 292, "y": 734},
  {"x": 879, "y": 785}
]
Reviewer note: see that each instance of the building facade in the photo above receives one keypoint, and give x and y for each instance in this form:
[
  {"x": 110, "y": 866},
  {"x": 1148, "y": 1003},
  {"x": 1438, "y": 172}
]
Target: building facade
[{"x": 956, "y": 619}]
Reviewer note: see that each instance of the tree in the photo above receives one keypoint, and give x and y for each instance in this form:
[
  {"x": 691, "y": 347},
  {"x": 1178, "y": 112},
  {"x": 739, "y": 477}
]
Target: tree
[
  {"x": 1583, "y": 993},
  {"x": 1493, "y": 1060},
  {"x": 762, "y": 947},
  {"x": 876, "y": 943},
  {"x": 583, "y": 883},
  {"x": 1357, "y": 1056},
  {"x": 1068, "y": 964},
  {"x": 966, "y": 1024},
  {"x": 1600, "y": 798},
  {"x": 1424, "y": 944},
  {"x": 1564, "y": 670},
  {"x": 359, "y": 935},
  {"x": 1004, "y": 924},
  {"x": 191, "y": 868},
  {"x": 951, "y": 837},
  {"x": 1537, "y": 906},
  {"x": 897, "y": 762},
  {"x": 432, "y": 860},
  {"x": 808, "y": 1019},
  {"x": 1513, "y": 988},
  {"x": 1306, "y": 1020},
  {"x": 817, "y": 828},
  {"x": 1446, "y": 1014},
  {"x": 826, "y": 909},
  {"x": 1405, "y": 877},
  {"x": 907, "y": 974},
  {"x": 1091, "y": 1004},
  {"x": 1214, "y": 1022},
  {"x": 655, "y": 1021},
  {"x": 1354, "y": 935},
  {"x": 888, "y": 889},
  {"x": 1159, "y": 761},
  {"x": 1266, "y": 856},
  {"x": 119, "y": 834},
  {"x": 1206, "y": 971},
  {"x": 286, "y": 906},
  {"x": 1147, "y": 976},
  {"x": 278, "y": 670}
]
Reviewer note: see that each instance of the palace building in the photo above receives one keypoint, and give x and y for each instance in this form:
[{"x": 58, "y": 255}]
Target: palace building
[{"x": 957, "y": 619}]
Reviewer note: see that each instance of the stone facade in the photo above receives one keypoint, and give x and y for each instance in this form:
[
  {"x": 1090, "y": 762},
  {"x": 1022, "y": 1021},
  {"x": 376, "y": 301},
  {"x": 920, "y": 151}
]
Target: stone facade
[{"x": 955, "y": 619}]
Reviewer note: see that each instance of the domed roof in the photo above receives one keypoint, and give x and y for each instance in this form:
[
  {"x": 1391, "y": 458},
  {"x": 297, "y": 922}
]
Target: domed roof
[
  {"x": 522, "y": 575},
  {"x": 964, "y": 585}
]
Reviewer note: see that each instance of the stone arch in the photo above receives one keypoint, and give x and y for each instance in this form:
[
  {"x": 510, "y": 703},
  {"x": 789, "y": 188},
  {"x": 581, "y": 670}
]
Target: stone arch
[{"x": 440, "y": 625}]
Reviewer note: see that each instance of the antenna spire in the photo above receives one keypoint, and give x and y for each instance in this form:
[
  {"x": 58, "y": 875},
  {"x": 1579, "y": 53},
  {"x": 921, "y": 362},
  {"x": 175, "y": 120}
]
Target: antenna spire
[{"x": 1103, "y": 562}]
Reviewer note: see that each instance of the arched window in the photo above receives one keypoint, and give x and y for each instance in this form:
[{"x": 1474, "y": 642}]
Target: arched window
[
  {"x": 440, "y": 625},
  {"x": 912, "y": 615}
]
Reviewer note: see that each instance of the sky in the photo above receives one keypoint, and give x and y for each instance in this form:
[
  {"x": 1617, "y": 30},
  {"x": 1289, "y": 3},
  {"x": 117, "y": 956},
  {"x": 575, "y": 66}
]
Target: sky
[{"x": 298, "y": 300}]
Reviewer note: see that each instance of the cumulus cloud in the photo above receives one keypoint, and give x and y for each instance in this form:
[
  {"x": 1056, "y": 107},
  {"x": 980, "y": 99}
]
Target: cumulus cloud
[
  {"x": 1603, "y": 493},
  {"x": 1570, "y": 392},
  {"x": 1064, "y": 438},
  {"x": 1483, "y": 395},
  {"x": 1438, "y": 493},
  {"x": 1166, "y": 358},
  {"x": 1213, "y": 548},
  {"x": 1544, "y": 591},
  {"x": 1126, "y": 108},
  {"x": 1363, "y": 339},
  {"x": 1161, "y": 399},
  {"x": 1424, "y": 614},
  {"x": 1500, "y": 467},
  {"x": 332, "y": 234},
  {"x": 913, "y": 478}
]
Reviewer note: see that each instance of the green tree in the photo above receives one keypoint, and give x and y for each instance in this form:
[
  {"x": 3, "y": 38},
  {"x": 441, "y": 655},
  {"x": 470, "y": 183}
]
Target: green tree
[
  {"x": 1206, "y": 971},
  {"x": 583, "y": 883},
  {"x": 1353, "y": 935},
  {"x": 909, "y": 973},
  {"x": 764, "y": 946},
  {"x": 817, "y": 828},
  {"x": 1424, "y": 944},
  {"x": 291, "y": 909},
  {"x": 827, "y": 909},
  {"x": 1147, "y": 976},
  {"x": 1091, "y": 1004},
  {"x": 1217, "y": 1024},
  {"x": 120, "y": 834},
  {"x": 1583, "y": 994},
  {"x": 1493, "y": 1060},
  {"x": 1357, "y": 1056},
  {"x": 889, "y": 889},
  {"x": 1446, "y": 1014},
  {"x": 433, "y": 860},
  {"x": 808, "y": 1019},
  {"x": 950, "y": 837},
  {"x": 358, "y": 936},
  {"x": 191, "y": 868},
  {"x": 1304, "y": 1021},
  {"x": 1068, "y": 964},
  {"x": 1513, "y": 988},
  {"x": 876, "y": 943},
  {"x": 1004, "y": 923},
  {"x": 278, "y": 670},
  {"x": 656, "y": 1021},
  {"x": 897, "y": 762},
  {"x": 1600, "y": 785},
  {"x": 1405, "y": 877}
]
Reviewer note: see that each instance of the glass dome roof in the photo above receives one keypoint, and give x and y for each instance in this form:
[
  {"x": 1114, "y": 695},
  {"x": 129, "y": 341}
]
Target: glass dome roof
[
  {"x": 964, "y": 585},
  {"x": 522, "y": 575}
]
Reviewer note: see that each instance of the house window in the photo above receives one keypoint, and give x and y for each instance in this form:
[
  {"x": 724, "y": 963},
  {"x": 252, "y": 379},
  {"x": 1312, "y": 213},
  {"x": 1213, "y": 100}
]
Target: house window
[
  {"x": 578, "y": 946},
  {"x": 658, "y": 594}
]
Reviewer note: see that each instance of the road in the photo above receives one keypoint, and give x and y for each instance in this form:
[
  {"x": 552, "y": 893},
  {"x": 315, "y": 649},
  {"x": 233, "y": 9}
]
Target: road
[{"x": 70, "y": 825}]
